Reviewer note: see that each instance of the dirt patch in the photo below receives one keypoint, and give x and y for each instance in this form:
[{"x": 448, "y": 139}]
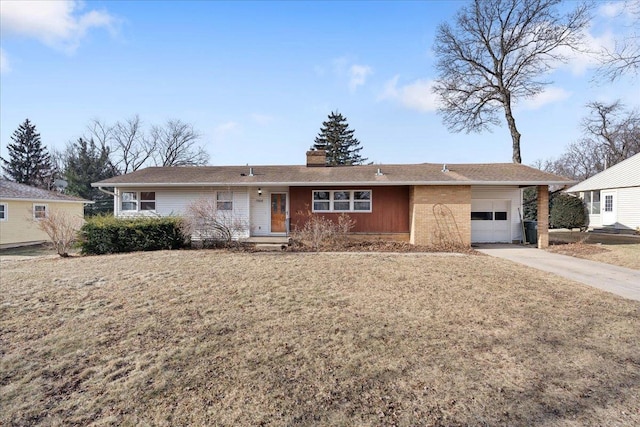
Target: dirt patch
[
  {"x": 580, "y": 250},
  {"x": 217, "y": 338}
]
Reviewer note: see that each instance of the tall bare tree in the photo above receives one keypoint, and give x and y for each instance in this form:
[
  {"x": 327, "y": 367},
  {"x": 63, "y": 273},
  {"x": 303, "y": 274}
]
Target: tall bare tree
[
  {"x": 498, "y": 52},
  {"x": 611, "y": 134},
  {"x": 175, "y": 145},
  {"x": 132, "y": 148},
  {"x": 624, "y": 58}
]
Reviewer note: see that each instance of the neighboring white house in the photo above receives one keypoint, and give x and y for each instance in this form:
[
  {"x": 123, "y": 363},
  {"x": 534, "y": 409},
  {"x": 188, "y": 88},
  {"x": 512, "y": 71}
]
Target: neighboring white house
[{"x": 613, "y": 196}]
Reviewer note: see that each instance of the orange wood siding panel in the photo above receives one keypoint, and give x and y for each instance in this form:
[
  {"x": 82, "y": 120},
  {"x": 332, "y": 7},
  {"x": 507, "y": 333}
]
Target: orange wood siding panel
[{"x": 390, "y": 208}]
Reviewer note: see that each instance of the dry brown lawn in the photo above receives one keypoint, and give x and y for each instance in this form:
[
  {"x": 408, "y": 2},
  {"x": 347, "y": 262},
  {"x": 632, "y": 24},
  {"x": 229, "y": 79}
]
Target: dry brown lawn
[
  {"x": 218, "y": 338},
  {"x": 621, "y": 255}
]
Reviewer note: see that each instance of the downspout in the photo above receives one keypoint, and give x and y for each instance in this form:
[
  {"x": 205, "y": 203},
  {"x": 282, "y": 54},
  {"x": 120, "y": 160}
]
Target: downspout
[{"x": 115, "y": 199}]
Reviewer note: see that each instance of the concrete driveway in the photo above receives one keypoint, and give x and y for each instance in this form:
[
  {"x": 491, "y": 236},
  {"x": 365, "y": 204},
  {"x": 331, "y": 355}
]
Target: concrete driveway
[{"x": 618, "y": 280}]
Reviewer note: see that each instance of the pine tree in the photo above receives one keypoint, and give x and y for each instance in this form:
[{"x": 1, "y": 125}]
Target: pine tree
[
  {"x": 338, "y": 141},
  {"x": 29, "y": 161},
  {"x": 84, "y": 163}
]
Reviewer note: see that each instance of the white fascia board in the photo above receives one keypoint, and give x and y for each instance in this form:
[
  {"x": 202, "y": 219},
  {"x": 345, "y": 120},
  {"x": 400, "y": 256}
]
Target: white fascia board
[{"x": 17, "y": 199}]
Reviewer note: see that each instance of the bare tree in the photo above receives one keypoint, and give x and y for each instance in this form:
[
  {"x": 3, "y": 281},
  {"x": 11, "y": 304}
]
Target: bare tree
[
  {"x": 611, "y": 134},
  {"x": 62, "y": 229},
  {"x": 204, "y": 222},
  {"x": 499, "y": 52},
  {"x": 132, "y": 148},
  {"x": 624, "y": 58},
  {"x": 175, "y": 145}
]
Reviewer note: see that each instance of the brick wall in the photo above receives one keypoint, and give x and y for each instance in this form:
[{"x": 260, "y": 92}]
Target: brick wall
[
  {"x": 543, "y": 216},
  {"x": 440, "y": 215}
]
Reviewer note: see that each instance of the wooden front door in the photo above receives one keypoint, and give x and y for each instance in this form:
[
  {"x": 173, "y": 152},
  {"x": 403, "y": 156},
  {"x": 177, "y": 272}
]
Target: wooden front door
[{"x": 278, "y": 213}]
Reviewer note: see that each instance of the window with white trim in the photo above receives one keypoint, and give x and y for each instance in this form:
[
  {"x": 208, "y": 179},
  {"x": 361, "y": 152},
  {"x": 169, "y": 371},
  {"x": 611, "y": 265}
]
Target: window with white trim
[
  {"x": 4, "y": 211},
  {"x": 341, "y": 200},
  {"x": 39, "y": 211},
  {"x": 138, "y": 201},
  {"x": 608, "y": 203},
  {"x": 224, "y": 200},
  {"x": 592, "y": 201}
]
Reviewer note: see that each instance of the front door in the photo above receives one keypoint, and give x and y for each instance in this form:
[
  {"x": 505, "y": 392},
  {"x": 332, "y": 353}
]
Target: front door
[
  {"x": 278, "y": 213},
  {"x": 608, "y": 206}
]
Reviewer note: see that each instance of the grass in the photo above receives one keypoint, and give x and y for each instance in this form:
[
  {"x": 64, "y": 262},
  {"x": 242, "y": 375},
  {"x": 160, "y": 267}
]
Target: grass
[
  {"x": 217, "y": 338},
  {"x": 616, "y": 254}
]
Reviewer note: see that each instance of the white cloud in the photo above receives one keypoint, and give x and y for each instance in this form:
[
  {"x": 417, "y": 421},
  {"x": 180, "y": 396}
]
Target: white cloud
[
  {"x": 550, "y": 95},
  {"x": 345, "y": 67},
  {"x": 226, "y": 127},
  {"x": 261, "y": 119},
  {"x": 417, "y": 95},
  {"x": 59, "y": 24},
  {"x": 4, "y": 62},
  {"x": 611, "y": 9},
  {"x": 358, "y": 76}
]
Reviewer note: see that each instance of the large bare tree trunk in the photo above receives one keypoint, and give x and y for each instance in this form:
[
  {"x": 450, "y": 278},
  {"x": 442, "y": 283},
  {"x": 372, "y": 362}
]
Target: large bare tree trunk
[{"x": 515, "y": 135}]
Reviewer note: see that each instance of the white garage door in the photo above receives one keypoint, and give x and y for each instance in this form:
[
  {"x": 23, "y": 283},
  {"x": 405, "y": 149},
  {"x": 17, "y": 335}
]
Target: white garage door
[{"x": 490, "y": 221}]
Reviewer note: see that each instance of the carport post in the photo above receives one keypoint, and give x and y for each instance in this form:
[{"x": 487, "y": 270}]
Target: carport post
[{"x": 543, "y": 216}]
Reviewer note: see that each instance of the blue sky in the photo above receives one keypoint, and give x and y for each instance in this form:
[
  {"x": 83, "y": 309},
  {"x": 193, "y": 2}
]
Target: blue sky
[{"x": 258, "y": 78}]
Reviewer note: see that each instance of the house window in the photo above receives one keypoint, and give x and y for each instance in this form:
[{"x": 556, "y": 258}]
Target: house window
[
  {"x": 129, "y": 201},
  {"x": 134, "y": 201},
  {"x": 224, "y": 200},
  {"x": 4, "y": 211},
  {"x": 342, "y": 201},
  {"x": 608, "y": 203},
  {"x": 39, "y": 212},
  {"x": 592, "y": 202},
  {"x": 147, "y": 200}
]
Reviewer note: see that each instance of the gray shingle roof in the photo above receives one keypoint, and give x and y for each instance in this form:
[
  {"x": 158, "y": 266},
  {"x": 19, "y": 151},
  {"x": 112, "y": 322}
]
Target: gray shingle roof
[
  {"x": 410, "y": 174},
  {"x": 12, "y": 190}
]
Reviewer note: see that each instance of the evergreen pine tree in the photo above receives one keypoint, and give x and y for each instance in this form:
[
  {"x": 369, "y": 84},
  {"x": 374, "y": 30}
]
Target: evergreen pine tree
[
  {"x": 338, "y": 141},
  {"x": 29, "y": 161},
  {"x": 85, "y": 163}
]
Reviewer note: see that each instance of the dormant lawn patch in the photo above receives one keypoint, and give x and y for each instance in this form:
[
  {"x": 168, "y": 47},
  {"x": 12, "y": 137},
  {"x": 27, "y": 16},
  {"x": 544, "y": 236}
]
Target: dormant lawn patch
[{"x": 218, "y": 338}]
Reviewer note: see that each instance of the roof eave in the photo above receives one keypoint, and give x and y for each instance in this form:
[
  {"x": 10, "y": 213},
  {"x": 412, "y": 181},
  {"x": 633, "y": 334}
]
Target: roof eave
[
  {"x": 328, "y": 183},
  {"x": 22, "y": 199}
]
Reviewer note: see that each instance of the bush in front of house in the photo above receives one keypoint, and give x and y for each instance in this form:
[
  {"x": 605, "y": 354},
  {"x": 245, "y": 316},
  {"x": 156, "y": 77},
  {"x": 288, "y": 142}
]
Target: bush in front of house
[
  {"x": 109, "y": 235},
  {"x": 568, "y": 212}
]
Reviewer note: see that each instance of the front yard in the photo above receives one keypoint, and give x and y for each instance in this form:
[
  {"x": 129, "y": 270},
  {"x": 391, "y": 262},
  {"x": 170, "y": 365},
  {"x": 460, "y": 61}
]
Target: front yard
[{"x": 218, "y": 338}]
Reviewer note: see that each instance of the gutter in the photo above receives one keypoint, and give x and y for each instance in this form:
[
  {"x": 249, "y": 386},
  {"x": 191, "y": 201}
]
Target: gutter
[
  {"x": 330, "y": 183},
  {"x": 104, "y": 191}
]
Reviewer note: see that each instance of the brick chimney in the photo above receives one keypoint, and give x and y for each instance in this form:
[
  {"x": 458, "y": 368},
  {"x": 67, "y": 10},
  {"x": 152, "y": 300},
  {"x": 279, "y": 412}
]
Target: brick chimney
[{"x": 316, "y": 158}]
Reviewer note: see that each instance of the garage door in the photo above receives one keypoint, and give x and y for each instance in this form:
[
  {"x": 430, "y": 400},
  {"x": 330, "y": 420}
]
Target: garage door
[{"x": 490, "y": 221}]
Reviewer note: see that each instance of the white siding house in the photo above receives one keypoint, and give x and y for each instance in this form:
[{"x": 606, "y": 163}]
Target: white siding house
[{"x": 613, "y": 196}]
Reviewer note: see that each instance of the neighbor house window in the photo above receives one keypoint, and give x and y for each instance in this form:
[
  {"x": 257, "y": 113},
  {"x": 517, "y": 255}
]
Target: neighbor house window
[
  {"x": 592, "y": 201},
  {"x": 39, "y": 211},
  {"x": 4, "y": 211},
  {"x": 342, "y": 201},
  {"x": 134, "y": 201},
  {"x": 224, "y": 201},
  {"x": 608, "y": 203}
]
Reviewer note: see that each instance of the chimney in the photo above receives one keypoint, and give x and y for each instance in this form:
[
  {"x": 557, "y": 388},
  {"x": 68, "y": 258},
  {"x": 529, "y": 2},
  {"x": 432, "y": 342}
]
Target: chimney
[{"x": 316, "y": 158}]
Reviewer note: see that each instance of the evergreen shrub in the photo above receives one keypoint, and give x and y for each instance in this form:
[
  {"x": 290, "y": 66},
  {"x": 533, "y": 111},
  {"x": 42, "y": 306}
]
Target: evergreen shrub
[
  {"x": 568, "y": 212},
  {"x": 108, "y": 235}
]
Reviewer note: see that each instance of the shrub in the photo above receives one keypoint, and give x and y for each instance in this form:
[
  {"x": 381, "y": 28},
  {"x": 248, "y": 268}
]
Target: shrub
[
  {"x": 106, "y": 234},
  {"x": 204, "y": 222},
  {"x": 62, "y": 229},
  {"x": 568, "y": 212},
  {"x": 319, "y": 232}
]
